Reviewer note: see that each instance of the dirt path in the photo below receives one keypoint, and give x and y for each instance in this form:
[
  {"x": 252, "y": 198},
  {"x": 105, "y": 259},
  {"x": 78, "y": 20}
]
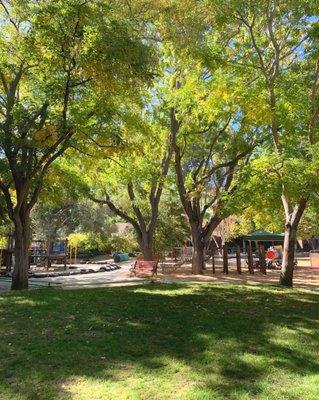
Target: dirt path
[{"x": 304, "y": 276}]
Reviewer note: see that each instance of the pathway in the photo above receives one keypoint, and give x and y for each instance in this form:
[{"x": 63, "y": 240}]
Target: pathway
[{"x": 119, "y": 277}]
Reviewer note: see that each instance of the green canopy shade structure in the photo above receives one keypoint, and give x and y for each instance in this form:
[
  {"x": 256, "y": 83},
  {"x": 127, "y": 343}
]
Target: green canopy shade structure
[{"x": 262, "y": 236}]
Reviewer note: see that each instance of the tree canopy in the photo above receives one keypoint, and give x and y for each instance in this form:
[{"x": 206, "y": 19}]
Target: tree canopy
[{"x": 169, "y": 112}]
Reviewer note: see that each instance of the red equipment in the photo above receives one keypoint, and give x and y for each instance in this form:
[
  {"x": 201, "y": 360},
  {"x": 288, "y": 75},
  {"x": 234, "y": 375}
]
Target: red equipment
[{"x": 271, "y": 254}]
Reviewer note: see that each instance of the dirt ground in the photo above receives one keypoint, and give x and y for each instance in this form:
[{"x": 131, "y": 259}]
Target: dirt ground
[{"x": 304, "y": 276}]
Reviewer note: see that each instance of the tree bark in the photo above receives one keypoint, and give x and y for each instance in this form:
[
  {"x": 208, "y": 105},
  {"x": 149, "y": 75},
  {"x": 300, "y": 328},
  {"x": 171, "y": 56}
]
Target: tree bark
[
  {"x": 238, "y": 259},
  {"x": 250, "y": 259},
  {"x": 145, "y": 241},
  {"x": 198, "y": 259},
  {"x": 288, "y": 257},
  {"x": 213, "y": 257},
  {"x": 262, "y": 259},
  {"x": 147, "y": 249},
  {"x": 291, "y": 227},
  {"x": 225, "y": 259},
  {"x": 22, "y": 236}
]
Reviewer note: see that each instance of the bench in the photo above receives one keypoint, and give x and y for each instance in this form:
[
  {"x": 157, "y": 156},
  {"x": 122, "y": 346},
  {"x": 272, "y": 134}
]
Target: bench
[{"x": 143, "y": 267}]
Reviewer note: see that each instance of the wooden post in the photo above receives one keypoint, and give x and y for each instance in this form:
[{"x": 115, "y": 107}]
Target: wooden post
[
  {"x": 213, "y": 261},
  {"x": 225, "y": 259},
  {"x": 10, "y": 250},
  {"x": 250, "y": 259},
  {"x": 262, "y": 259},
  {"x": 48, "y": 261},
  {"x": 65, "y": 253},
  {"x": 238, "y": 259},
  {"x": 174, "y": 254},
  {"x": 75, "y": 253}
]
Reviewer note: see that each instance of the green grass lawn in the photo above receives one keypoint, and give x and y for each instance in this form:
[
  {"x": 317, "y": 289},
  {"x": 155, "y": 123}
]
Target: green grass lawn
[{"x": 160, "y": 342}]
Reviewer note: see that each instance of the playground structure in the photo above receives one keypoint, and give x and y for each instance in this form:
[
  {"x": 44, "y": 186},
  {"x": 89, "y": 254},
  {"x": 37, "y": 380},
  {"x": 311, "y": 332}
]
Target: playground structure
[
  {"x": 172, "y": 261},
  {"x": 52, "y": 257},
  {"x": 6, "y": 254},
  {"x": 41, "y": 254},
  {"x": 273, "y": 258},
  {"x": 260, "y": 260},
  {"x": 220, "y": 258},
  {"x": 48, "y": 259},
  {"x": 260, "y": 237},
  {"x": 259, "y": 250},
  {"x": 44, "y": 254}
]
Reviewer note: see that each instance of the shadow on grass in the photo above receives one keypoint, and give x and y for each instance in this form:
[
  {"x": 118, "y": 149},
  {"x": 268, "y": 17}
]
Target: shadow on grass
[{"x": 229, "y": 338}]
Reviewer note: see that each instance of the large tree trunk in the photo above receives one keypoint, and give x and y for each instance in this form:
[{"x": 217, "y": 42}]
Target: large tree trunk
[
  {"x": 198, "y": 260},
  {"x": 288, "y": 257},
  {"x": 22, "y": 238},
  {"x": 291, "y": 227},
  {"x": 145, "y": 241},
  {"x": 147, "y": 251}
]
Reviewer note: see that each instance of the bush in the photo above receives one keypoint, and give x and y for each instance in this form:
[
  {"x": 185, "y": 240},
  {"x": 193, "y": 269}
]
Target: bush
[
  {"x": 95, "y": 243},
  {"x": 87, "y": 242},
  {"x": 125, "y": 242}
]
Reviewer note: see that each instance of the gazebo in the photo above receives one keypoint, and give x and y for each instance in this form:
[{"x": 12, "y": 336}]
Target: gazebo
[{"x": 260, "y": 236}]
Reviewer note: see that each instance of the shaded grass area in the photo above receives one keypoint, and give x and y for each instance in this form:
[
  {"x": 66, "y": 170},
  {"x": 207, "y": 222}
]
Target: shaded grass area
[{"x": 191, "y": 342}]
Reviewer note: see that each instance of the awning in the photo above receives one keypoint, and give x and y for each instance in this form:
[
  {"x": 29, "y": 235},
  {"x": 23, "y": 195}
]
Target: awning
[{"x": 265, "y": 236}]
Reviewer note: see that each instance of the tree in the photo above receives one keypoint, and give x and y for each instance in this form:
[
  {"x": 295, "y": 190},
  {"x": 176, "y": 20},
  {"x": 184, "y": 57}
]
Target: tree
[
  {"x": 259, "y": 196},
  {"x": 207, "y": 157},
  {"x": 276, "y": 46},
  {"x": 210, "y": 135},
  {"x": 63, "y": 209},
  {"x": 172, "y": 227},
  {"x": 308, "y": 228},
  {"x": 136, "y": 176},
  {"x": 52, "y": 56}
]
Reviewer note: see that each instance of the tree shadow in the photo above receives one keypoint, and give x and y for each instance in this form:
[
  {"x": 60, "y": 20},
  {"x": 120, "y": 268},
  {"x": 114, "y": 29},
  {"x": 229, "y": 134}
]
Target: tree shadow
[{"x": 228, "y": 338}]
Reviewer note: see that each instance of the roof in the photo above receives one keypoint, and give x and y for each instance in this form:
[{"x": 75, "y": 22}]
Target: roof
[{"x": 264, "y": 235}]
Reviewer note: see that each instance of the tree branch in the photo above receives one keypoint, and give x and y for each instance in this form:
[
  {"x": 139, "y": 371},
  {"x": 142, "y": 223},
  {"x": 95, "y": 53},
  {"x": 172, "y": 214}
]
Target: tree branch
[
  {"x": 6, "y": 10},
  {"x": 116, "y": 210}
]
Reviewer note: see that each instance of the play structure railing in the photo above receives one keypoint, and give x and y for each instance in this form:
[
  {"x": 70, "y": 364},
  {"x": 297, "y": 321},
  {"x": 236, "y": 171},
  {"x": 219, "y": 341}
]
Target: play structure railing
[
  {"x": 41, "y": 253},
  {"x": 175, "y": 259},
  {"x": 216, "y": 258}
]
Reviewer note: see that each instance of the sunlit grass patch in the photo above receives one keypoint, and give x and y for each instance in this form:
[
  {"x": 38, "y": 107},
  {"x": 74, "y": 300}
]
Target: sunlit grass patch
[{"x": 189, "y": 342}]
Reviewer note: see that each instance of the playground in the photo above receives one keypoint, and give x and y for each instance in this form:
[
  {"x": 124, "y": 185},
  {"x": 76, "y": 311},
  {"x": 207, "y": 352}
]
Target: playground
[
  {"x": 94, "y": 274},
  {"x": 116, "y": 326},
  {"x": 159, "y": 200},
  {"x": 304, "y": 275},
  {"x": 56, "y": 264}
]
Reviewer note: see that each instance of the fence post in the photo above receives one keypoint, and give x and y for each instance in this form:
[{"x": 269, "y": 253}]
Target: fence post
[
  {"x": 225, "y": 259},
  {"x": 262, "y": 259},
  {"x": 238, "y": 259},
  {"x": 213, "y": 261},
  {"x": 174, "y": 254},
  {"x": 250, "y": 259}
]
